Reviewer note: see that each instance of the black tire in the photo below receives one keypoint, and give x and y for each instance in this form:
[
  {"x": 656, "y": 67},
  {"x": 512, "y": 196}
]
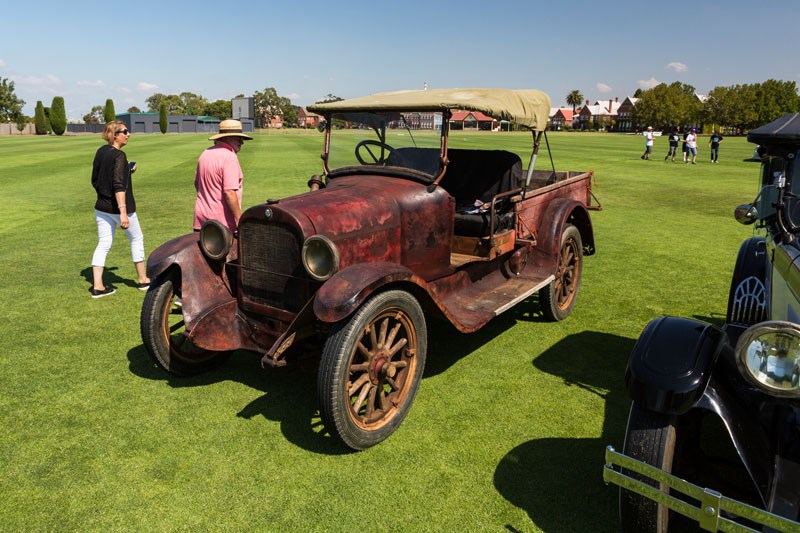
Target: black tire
[
  {"x": 651, "y": 437},
  {"x": 558, "y": 298},
  {"x": 371, "y": 368},
  {"x": 163, "y": 333}
]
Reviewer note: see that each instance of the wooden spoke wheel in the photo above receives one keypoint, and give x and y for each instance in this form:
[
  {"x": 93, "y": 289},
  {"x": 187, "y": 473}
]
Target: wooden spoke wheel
[
  {"x": 558, "y": 298},
  {"x": 371, "y": 367}
]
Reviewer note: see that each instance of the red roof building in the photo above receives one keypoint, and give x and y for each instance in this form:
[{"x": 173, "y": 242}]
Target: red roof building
[
  {"x": 561, "y": 118},
  {"x": 306, "y": 119},
  {"x": 472, "y": 120}
]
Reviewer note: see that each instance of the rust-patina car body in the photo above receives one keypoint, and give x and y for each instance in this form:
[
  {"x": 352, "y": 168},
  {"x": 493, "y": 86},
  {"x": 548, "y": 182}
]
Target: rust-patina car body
[{"x": 412, "y": 233}]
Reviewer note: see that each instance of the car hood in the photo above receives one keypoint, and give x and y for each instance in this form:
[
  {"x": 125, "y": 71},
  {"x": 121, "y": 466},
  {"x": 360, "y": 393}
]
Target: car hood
[{"x": 352, "y": 205}]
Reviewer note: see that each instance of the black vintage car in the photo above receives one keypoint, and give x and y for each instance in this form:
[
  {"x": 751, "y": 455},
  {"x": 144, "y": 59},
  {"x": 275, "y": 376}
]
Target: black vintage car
[{"x": 713, "y": 437}]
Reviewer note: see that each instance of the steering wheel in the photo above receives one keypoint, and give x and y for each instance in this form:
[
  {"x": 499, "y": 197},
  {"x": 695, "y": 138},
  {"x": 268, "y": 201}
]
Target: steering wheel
[{"x": 374, "y": 159}]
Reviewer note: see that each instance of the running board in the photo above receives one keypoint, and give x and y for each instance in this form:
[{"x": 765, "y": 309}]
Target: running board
[
  {"x": 544, "y": 283},
  {"x": 507, "y": 295},
  {"x": 476, "y": 305}
]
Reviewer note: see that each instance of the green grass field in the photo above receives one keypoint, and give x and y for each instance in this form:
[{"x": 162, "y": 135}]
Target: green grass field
[{"x": 510, "y": 424}]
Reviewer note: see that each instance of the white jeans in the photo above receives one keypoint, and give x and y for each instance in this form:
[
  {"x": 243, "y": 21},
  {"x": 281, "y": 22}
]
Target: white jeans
[{"x": 106, "y": 227}]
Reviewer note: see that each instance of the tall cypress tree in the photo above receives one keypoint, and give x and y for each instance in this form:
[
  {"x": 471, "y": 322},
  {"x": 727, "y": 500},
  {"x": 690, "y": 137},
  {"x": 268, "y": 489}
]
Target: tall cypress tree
[
  {"x": 162, "y": 118},
  {"x": 58, "y": 116},
  {"x": 39, "y": 120},
  {"x": 109, "y": 113}
]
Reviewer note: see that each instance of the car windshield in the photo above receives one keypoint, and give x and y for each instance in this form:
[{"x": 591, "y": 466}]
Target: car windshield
[{"x": 383, "y": 140}]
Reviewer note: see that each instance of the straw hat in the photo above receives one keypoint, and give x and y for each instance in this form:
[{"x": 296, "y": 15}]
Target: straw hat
[{"x": 230, "y": 128}]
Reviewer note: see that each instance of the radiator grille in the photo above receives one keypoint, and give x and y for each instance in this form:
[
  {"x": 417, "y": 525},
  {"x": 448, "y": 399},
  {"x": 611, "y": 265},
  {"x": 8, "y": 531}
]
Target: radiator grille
[{"x": 272, "y": 272}]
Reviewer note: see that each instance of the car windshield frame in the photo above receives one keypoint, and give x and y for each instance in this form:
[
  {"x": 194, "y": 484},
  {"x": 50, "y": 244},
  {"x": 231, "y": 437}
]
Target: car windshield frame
[
  {"x": 372, "y": 143},
  {"x": 527, "y": 108}
]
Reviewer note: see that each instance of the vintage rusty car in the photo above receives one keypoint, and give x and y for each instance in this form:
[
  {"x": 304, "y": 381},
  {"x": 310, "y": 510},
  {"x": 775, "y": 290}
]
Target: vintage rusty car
[
  {"x": 403, "y": 225},
  {"x": 713, "y": 436}
]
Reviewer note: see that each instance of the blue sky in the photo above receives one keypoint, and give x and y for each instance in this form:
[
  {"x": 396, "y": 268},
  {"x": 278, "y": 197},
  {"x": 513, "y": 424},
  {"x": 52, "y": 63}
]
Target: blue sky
[{"x": 88, "y": 51}]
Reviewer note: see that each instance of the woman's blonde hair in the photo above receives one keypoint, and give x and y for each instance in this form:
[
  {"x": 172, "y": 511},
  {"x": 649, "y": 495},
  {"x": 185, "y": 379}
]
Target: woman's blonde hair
[{"x": 111, "y": 130}]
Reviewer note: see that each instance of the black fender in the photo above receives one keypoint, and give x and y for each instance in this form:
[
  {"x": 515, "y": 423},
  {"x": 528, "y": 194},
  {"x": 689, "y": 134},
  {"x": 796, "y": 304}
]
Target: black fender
[
  {"x": 671, "y": 363},
  {"x": 739, "y": 413},
  {"x": 747, "y": 299},
  {"x": 680, "y": 365}
]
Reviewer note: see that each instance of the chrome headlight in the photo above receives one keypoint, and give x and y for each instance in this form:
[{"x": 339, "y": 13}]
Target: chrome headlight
[
  {"x": 215, "y": 240},
  {"x": 768, "y": 355},
  {"x": 320, "y": 257}
]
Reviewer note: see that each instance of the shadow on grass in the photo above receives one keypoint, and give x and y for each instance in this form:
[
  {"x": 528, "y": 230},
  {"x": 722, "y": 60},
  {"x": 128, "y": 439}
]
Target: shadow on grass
[
  {"x": 110, "y": 277},
  {"x": 446, "y": 345},
  {"x": 289, "y": 395},
  {"x": 558, "y": 481}
]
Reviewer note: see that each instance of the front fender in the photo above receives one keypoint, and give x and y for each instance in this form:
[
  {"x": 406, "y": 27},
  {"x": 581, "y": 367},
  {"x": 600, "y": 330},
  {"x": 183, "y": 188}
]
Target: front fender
[
  {"x": 347, "y": 289},
  {"x": 175, "y": 251},
  {"x": 203, "y": 284},
  {"x": 671, "y": 363}
]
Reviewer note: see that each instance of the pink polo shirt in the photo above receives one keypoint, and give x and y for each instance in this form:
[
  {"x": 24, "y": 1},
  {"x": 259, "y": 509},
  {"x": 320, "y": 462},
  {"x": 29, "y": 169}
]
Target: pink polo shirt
[{"x": 218, "y": 169}]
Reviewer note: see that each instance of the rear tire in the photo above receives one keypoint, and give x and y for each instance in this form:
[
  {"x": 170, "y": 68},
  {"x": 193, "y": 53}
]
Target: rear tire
[
  {"x": 558, "y": 298},
  {"x": 163, "y": 333}
]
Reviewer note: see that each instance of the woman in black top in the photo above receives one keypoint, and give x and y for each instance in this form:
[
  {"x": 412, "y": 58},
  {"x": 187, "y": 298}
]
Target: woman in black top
[{"x": 115, "y": 206}]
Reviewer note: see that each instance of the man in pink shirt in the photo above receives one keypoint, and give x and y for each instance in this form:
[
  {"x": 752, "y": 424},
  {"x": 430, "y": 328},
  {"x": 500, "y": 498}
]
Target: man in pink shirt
[{"x": 218, "y": 178}]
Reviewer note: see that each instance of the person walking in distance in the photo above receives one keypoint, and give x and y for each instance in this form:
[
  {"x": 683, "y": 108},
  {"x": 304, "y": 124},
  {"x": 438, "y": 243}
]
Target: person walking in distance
[
  {"x": 714, "y": 142},
  {"x": 674, "y": 140},
  {"x": 691, "y": 146},
  {"x": 648, "y": 143},
  {"x": 218, "y": 179}
]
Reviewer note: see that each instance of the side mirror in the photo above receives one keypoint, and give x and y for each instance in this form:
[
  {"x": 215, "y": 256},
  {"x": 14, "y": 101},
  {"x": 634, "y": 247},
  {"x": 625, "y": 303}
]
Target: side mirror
[
  {"x": 745, "y": 214},
  {"x": 321, "y": 125}
]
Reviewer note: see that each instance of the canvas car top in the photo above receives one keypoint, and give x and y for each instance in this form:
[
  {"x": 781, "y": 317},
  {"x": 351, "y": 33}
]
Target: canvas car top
[
  {"x": 783, "y": 130},
  {"x": 529, "y": 108}
]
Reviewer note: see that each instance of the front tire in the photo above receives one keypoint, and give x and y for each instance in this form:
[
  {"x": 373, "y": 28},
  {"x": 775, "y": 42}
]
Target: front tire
[
  {"x": 651, "y": 438},
  {"x": 558, "y": 298},
  {"x": 371, "y": 368},
  {"x": 163, "y": 333}
]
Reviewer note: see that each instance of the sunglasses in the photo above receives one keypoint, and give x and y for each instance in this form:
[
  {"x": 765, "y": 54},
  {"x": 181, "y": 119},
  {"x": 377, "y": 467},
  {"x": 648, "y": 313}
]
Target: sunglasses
[{"x": 124, "y": 132}]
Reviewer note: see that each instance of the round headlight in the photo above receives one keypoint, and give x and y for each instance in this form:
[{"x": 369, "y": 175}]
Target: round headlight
[
  {"x": 768, "y": 355},
  {"x": 320, "y": 257},
  {"x": 215, "y": 240}
]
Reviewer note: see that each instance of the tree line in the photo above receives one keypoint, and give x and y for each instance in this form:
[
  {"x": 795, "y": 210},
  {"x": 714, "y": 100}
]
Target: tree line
[
  {"x": 267, "y": 105},
  {"x": 741, "y": 107}
]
